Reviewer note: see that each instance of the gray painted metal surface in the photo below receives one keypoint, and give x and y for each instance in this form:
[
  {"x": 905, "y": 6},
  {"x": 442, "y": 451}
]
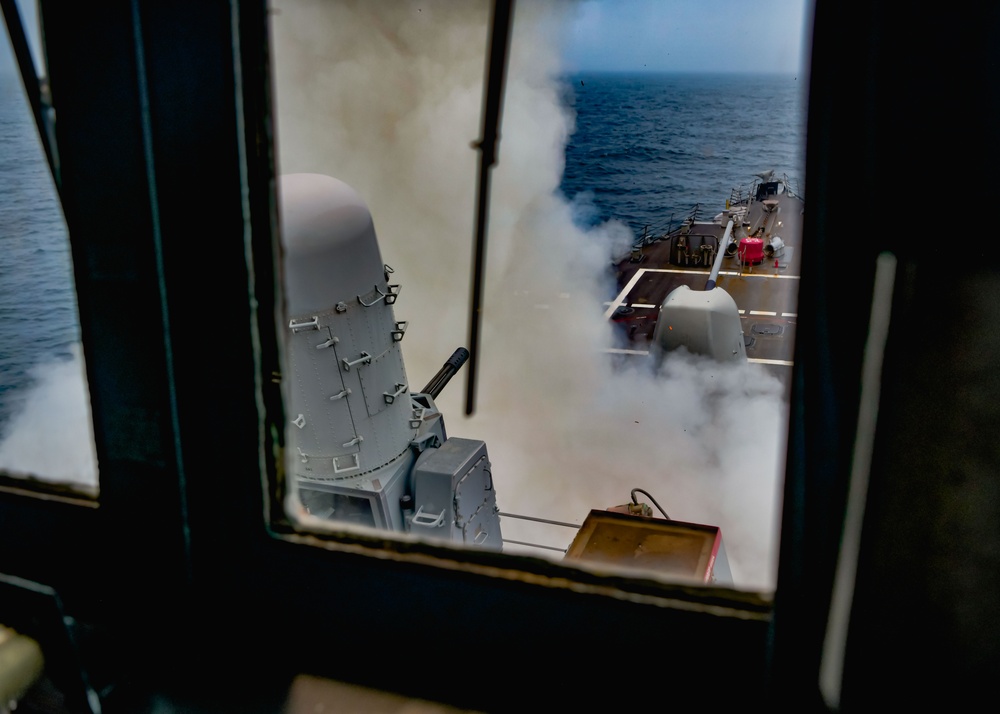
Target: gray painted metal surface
[{"x": 356, "y": 431}]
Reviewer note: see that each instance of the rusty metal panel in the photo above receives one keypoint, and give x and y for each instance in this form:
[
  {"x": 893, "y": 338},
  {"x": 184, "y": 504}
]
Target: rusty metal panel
[{"x": 686, "y": 551}]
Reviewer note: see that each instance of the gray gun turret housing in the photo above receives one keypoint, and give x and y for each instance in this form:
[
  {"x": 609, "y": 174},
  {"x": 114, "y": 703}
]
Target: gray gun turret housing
[{"x": 355, "y": 429}]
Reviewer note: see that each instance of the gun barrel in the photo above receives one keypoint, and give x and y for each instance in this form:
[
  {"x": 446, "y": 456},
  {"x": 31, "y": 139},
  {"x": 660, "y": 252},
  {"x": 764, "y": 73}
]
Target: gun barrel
[{"x": 447, "y": 371}]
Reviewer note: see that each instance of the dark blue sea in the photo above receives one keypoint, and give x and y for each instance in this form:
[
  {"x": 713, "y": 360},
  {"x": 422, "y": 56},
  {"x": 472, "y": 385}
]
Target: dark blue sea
[
  {"x": 38, "y": 319},
  {"x": 44, "y": 411},
  {"x": 649, "y": 147},
  {"x": 646, "y": 149}
]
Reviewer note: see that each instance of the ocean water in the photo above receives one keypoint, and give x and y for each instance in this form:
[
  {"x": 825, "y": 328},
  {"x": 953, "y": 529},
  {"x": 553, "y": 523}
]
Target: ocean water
[
  {"x": 645, "y": 150},
  {"x": 38, "y": 321},
  {"x": 44, "y": 410},
  {"x": 649, "y": 147}
]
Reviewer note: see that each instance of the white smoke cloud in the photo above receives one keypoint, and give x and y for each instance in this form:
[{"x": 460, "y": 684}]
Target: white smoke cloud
[
  {"x": 58, "y": 406},
  {"x": 387, "y": 96}
]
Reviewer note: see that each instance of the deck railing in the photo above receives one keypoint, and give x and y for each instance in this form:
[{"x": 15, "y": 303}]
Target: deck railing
[{"x": 739, "y": 197}]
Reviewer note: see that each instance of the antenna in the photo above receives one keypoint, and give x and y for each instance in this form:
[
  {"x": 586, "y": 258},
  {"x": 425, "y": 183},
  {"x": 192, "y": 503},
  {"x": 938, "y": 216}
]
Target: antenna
[{"x": 499, "y": 47}]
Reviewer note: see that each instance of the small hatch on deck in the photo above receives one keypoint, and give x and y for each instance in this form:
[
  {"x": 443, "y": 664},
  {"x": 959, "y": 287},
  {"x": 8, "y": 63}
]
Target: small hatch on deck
[
  {"x": 771, "y": 330},
  {"x": 770, "y": 188}
]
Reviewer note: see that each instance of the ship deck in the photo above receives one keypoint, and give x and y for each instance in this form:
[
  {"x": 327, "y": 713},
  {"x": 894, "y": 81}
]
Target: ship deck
[{"x": 765, "y": 291}]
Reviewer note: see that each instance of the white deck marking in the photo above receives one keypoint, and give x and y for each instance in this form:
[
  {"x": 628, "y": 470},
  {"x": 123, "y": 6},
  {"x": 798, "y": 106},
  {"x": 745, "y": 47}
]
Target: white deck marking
[
  {"x": 677, "y": 270},
  {"x": 747, "y": 275},
  {"x": 617, "y": 351},
  {"x": 778, "y": 362},
  {"x": 619, "y": 300}
]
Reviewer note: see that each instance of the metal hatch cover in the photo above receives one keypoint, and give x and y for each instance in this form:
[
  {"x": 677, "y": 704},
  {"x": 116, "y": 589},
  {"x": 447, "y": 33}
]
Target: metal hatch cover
[{"x": 687, "y": 551}]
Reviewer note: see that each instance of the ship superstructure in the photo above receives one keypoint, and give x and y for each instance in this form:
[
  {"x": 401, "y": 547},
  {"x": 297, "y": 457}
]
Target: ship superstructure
[{"x": 725, "y": 286}]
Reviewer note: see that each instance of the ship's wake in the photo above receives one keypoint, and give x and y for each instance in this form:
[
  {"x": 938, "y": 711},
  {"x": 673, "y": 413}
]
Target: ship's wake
[{"x": 56, "y": 405}]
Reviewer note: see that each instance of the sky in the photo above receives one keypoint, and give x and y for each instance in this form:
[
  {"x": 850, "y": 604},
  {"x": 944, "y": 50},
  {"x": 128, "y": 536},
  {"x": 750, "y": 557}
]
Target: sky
[
  {"x": 655, "y": 35},
  {"x": 688, "y": 35}
]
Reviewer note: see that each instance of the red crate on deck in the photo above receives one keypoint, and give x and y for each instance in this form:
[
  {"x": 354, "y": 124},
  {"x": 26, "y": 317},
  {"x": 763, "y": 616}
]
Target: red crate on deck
[{"x": 751, "y": 250}]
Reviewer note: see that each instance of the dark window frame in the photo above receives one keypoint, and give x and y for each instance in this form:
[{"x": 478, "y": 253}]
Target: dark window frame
[{"x": 165, "y": 142}]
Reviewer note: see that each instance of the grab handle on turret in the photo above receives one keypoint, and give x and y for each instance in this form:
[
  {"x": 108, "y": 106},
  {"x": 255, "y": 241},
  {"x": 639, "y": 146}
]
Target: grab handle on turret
[{"x": 447, "y": 371}]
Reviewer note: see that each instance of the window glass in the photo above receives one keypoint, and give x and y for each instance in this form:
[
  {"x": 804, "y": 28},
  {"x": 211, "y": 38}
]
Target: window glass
[
  {"x": 604, "y": 139},
  {"x": 45, "y": 425}
]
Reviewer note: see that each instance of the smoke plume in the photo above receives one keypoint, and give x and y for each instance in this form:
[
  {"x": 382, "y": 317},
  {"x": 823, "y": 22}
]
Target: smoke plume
[
  {"x": 387, "y": 96},
  {"x": 56, "y": 406}
]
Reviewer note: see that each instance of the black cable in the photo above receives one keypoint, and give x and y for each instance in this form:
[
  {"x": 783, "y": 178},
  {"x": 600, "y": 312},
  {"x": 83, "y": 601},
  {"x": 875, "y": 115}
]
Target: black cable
[{"x": 646, "y": 494}]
